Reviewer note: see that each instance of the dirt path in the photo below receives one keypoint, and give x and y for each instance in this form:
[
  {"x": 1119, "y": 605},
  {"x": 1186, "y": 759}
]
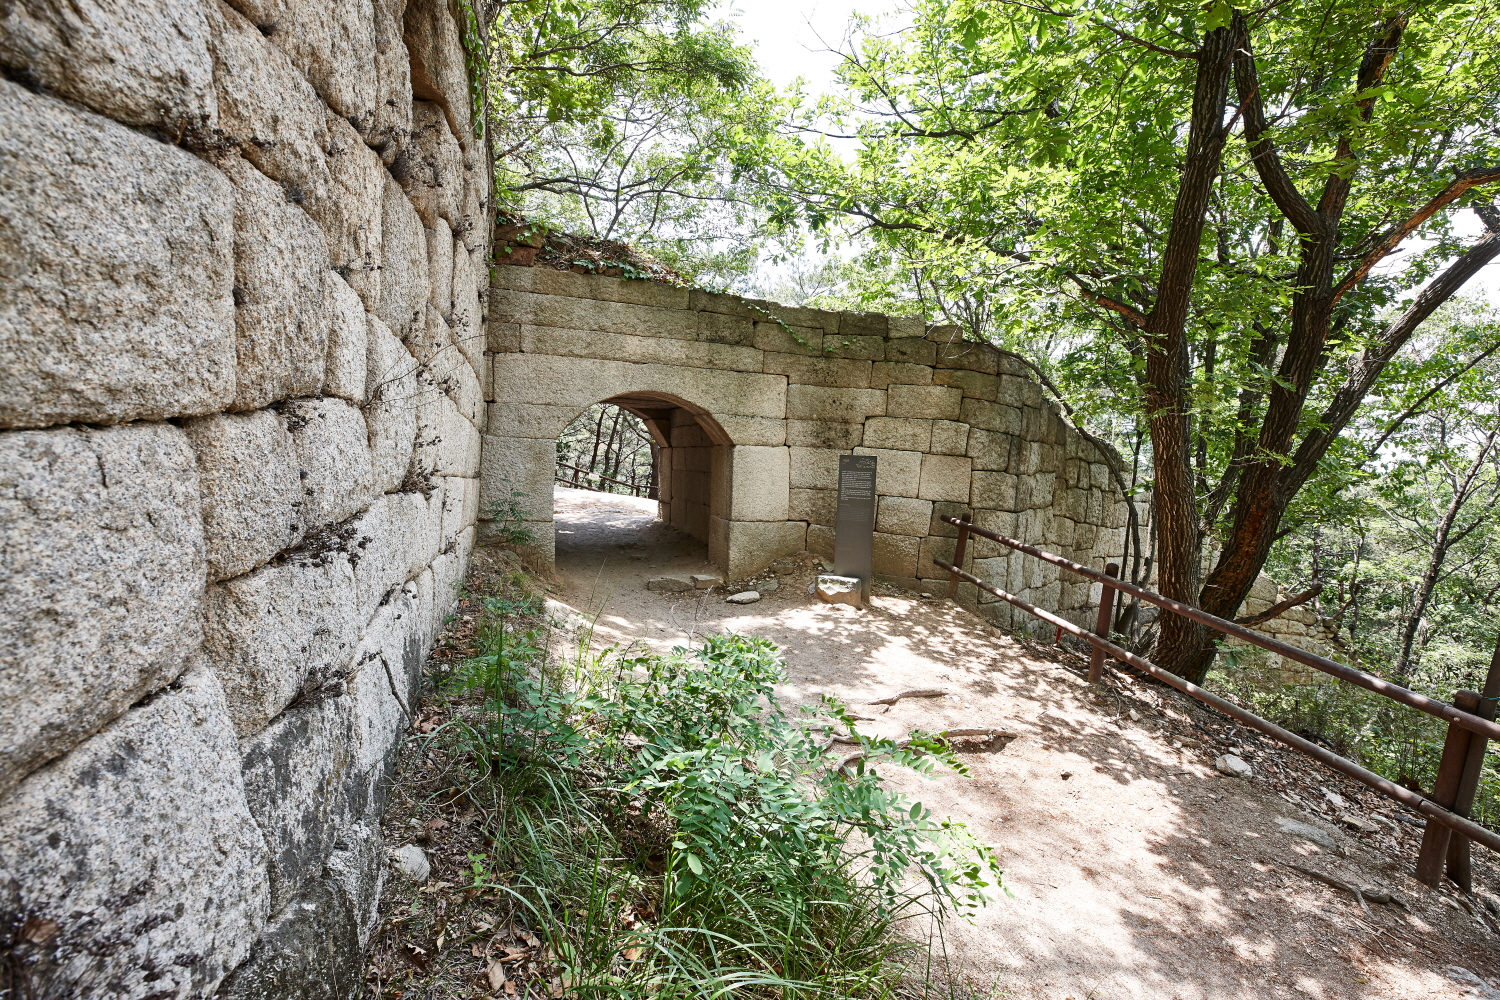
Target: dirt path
[{"x": 1138, "y": 870}]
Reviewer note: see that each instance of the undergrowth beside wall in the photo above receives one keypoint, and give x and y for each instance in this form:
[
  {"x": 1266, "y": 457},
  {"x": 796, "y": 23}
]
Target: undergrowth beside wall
[
  {"x": 614, "y": 823},
  {"x": 1390, "y": 739}
]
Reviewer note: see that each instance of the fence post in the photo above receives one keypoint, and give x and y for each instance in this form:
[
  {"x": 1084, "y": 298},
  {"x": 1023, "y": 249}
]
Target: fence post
[
  {"x": 1436, "y": 837},
  {"x": 1101, "y": 624},
  {"x": 958, "y": 555},
  {"x": 1459, "y": 868}
]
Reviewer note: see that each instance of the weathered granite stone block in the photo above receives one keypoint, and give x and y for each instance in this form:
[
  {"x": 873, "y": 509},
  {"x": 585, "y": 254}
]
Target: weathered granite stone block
[
  {"x": 945, "y": 477},
  {"x": 821, "y": 371},
  {"x": 898, "y": 433},
  {"x": 102, "y": 571},
  {"x": 811, "y": 402},
  {"x": 250, "y": 486},
  {"x": 139, "y": 849},
  {"x": 348, "y": 342},
  {"x": 895, "y": 555},
  {"x": 897, "y": 473},
  {"x": 903, "y": 516},
  {"x": 333, "y": 453},
  {"x": 430, "y": 166},
  {"x": 438, "y": 72},
  {"x": 303, "y": 787},
  {"x": 935, "y": 402},
  {"x": 379, "y": 547},
  {"x": 117, "y": 298},
  {"x": 286, "y": 628},
  {"x": 404, "y": 282},
  {"x": 824, "y": 434},
  {"x": 141, "y": 64},
  {"x": 312, "y": 950},
  {"x": 392, "y": 397},
  {"x": 281, "y": 299}
]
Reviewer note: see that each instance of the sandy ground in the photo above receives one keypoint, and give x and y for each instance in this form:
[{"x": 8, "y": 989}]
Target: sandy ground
[{"x": 1138, "y": 871}]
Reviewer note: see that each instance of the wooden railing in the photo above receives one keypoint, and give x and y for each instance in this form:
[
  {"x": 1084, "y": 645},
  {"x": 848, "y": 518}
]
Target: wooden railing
[
  {"x": 1470, "y": 719},
  {"x": 637, "y": 489}
]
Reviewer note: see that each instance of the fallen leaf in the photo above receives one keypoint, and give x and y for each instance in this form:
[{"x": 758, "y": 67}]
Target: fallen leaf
[
  {"x": 496, "y": 973},
  {"x": 510, "y": 989},
  {"x": 476, "y": 951},
  {"x": 436, "y": 824},
  {"x": 633, "y": 954}
]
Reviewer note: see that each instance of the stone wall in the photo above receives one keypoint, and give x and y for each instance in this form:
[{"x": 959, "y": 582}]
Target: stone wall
[
  {"x": 753, "y": 402},
  {"x": 241, "y": 331}
]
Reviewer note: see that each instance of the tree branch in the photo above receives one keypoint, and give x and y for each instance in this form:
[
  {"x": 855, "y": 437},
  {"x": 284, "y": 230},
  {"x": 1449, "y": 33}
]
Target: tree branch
[
  {"x": 1174, "y": 53},
  {"x": 1276, "y": 610},
  {"x": 1391, "y": 240},
  {"x": 1263, "y": 154}
]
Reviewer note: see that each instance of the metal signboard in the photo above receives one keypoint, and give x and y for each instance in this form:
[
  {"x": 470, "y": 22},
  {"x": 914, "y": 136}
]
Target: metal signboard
[{"x": 854, "y": 526}]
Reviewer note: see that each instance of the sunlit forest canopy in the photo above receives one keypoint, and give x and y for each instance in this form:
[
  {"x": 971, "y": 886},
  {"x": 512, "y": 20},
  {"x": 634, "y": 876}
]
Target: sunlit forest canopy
[{"x": 608, "y": 449}]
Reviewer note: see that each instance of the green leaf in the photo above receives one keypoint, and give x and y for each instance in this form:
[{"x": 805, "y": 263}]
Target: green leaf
[
  {"x": 1219, "y": 16},
  {"x": 695, "y": 865}
]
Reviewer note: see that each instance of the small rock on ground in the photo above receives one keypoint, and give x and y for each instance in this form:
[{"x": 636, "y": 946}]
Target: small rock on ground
[
  {"x": 669, "y": 585},
  {"x": 1233, "y": 766},
  {"x": 1295, "y": 829},
  {"x": 705, "y": 582},
  {"x": 743, "y": 597},
  {"x": 412, "y": 862}
]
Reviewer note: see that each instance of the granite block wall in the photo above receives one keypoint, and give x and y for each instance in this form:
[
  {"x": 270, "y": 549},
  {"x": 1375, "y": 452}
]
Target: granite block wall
[
  {"x": 244, "y": 248},
  {"x": 763, "y": 398}
]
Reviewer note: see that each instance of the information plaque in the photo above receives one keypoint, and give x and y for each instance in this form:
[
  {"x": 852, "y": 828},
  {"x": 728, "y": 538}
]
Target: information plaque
[{"x": 854, "y": 525}]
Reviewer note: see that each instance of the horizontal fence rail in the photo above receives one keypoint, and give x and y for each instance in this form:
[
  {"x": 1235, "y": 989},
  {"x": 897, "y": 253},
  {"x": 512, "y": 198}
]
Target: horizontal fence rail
[
  {"x": 1395, "y": 692},
  {"x": 1461, "y": 723},
  {"x": 646, "y": 487}
]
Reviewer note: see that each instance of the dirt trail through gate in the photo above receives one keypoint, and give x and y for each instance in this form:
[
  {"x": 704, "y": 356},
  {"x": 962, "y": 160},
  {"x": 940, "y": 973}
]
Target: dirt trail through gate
[{"x": 1138, "y": 870}]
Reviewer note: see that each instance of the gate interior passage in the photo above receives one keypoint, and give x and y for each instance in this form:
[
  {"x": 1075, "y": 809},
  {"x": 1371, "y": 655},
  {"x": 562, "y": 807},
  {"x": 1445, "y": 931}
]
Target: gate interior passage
[{"x": 1445, "y": 844}]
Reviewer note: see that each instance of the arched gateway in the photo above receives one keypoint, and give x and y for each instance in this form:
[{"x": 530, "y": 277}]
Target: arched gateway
[{"x": 751, "y": 404}]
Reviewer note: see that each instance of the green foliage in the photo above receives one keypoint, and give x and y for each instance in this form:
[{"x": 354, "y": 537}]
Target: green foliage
[
  {"x": 634, "y": 121},
  {"x": 508, "y": 518},
  {"x": 673, "y": 831}
]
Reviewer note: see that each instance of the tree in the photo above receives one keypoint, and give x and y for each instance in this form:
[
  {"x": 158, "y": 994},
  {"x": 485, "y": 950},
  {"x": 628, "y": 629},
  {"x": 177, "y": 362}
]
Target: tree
[
  {"x": 1209, "y": 222},
  {"x": 630, "y": 121}
]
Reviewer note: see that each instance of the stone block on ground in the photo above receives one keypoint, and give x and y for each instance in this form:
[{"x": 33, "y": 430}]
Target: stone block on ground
[
  {"x": 703, "y": 581},
  {"x": 743, "y": 597},
  {"x": 671, "y": 585},
  {"x": 831, "y": 589},
  {"x": 138, "y": 849},
  {"x": 102, "y": 571},
  {"x": 117, "y": 302}
]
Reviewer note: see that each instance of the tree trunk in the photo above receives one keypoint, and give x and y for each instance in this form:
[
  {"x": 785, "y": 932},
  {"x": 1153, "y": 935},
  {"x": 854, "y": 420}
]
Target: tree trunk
[
  {"x": 1441, "y": 540},
  {"x": 1167, "y": 376}
]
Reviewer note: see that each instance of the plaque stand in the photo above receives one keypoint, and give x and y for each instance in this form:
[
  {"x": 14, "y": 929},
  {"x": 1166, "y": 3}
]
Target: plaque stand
[{"x": 854, "y": 527}]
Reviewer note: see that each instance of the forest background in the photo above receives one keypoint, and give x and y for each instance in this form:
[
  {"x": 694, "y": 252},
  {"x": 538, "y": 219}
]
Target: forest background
[{"x": 1244, "y": 245}]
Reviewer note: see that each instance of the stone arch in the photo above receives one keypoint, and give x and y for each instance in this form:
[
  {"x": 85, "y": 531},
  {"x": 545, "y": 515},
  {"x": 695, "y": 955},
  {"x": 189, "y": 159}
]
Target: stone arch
[{"x": 723, "y": 464}]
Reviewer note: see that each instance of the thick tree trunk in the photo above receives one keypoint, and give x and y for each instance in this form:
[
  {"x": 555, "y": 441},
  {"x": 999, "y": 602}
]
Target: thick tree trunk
[{"x": 1168, "y": 375}]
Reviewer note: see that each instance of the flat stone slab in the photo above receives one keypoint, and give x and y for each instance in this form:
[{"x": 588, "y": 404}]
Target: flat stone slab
[
  {"x": 1292, "y": 828},
  {"x": 705, "y": 582},
  {"x": 669, "y": 585},
  {"x": 743, "y": 597}
]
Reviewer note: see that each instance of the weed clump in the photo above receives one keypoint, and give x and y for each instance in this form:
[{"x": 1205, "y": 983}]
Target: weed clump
[{"x": 663, "y": 826}]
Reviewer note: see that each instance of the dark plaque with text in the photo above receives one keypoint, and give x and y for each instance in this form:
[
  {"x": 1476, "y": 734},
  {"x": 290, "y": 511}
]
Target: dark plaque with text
[{"x": 854, "y": 527}]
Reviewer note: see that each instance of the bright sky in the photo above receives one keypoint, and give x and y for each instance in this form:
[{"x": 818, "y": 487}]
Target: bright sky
[
  {"x": 790, "y": 37},
  {"x": 791, "y": 40}
]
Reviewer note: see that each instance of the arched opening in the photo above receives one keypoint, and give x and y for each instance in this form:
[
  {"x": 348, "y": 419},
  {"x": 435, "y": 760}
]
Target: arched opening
[{"x": 640, "y": 476}]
